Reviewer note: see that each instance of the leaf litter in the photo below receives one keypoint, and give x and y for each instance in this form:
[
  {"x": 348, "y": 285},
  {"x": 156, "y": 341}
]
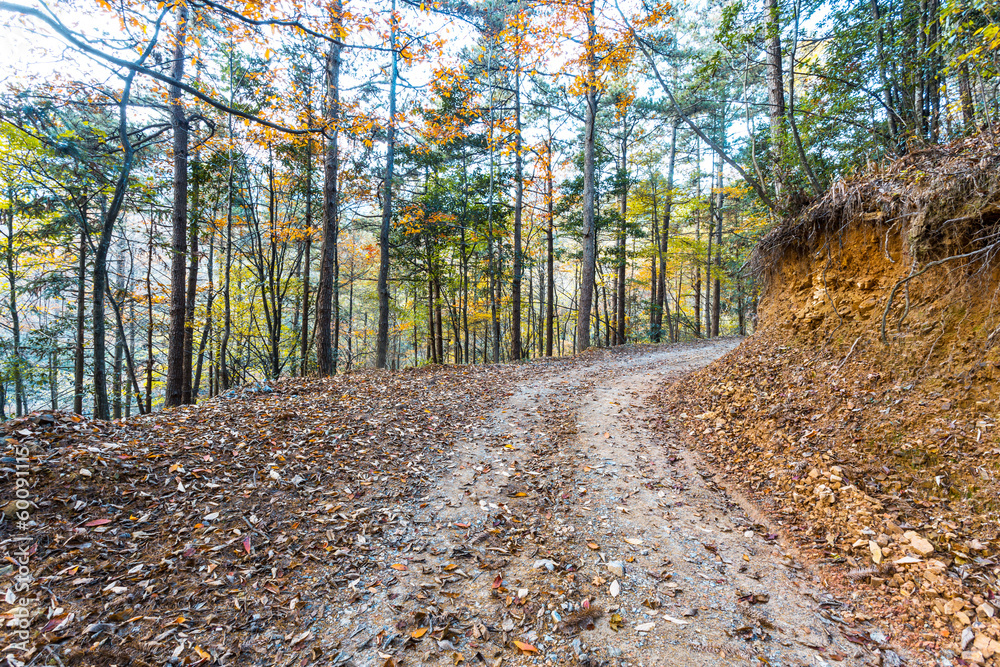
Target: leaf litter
[
  {"x": 433, "y": 517},
  {"x": 223, "y": 533}
]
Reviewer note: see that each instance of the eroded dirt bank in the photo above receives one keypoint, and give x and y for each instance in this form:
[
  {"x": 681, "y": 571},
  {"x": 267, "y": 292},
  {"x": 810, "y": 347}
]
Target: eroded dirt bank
[{"x": 863, "y": 411}]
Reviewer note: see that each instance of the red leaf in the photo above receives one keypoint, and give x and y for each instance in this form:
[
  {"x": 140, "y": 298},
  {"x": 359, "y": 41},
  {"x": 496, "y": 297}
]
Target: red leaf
[
  {"x": 246, "y": 543},
  {"x": 97, "y": 522}
]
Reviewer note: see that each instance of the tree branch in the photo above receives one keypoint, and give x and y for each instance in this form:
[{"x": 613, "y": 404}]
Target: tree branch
[{"x": 78, "y": 42}]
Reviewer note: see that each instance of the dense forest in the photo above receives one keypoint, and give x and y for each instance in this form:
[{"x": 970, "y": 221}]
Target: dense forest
[{"x": 196, "y": 195}]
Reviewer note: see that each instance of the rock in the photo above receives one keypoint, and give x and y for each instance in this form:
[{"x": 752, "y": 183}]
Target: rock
[
  {"x": 892, "y": 528},
  {"x": 967, "y": 636},
  {"x": 617, "y": 568},
  {"x": 876, "y": 551},
  {"x": 986, "y": 609},
  {"x": 544, "y": 563},
  {"x": 615, "y": 589},
  {"x": 985, "y": 645},
  {"x": 10, "y": 509},
  {"x": 963, "y": 618},
  {"x": 690, "y": 611},
  {"x": 918, "y": 544},
  {"x": 645, "y": 627},
  {"x": 951, "y": 607},
  {"x": 975, "y": 657},
  {"x": 825, "y": 494}
]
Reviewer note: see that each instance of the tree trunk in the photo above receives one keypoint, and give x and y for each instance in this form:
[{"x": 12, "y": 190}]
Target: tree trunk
[
  {"x": 697, "y": 236},
  {"x": 654, "y": 279},
  {"x": 116, "y": 380},
  {"x": 662, "y": 306},
  {"x": 620, "y": 296},
  {"x": 965, "y": 96},
  {"x": 550, "y": 280},
  {"x": 178, "y": 247},
  {"x": 589, "y": 232},
  {"x": 776, "y": 98},
  {"x": 207, "y": 330},
  {"x": 708, "y": 258},
  {"x": 15, "y": 320},
  {"x": 149, "y": 319},
  {"x": 81, "y": 298},
  {"x": 225, "y": 379},
  {"x": 431, "y": 347},
  {"x": 717, "y": 287},
  {"x": 192, "y": 288},
  {"x": 325, "y": 361},
  {"x": 438, "y": 316},
  {"x": 516, "y": 352},
  {"x": 382, "y": 340}
]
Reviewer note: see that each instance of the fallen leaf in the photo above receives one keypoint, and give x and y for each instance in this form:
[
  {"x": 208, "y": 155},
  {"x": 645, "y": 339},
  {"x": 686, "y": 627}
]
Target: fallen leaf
[{"x": 525, "y": 647}]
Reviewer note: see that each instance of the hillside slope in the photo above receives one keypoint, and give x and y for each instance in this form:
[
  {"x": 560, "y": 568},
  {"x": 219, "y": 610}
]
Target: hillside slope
[{"x": 863, "y": 412}]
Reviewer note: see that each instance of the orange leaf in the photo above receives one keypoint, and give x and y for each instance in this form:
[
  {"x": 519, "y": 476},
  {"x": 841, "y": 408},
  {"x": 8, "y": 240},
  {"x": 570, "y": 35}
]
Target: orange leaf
[
  {"x": 524, "y": 646},
  {"x": 418, "y": 633},
  {"x": 398, "y": 566}
]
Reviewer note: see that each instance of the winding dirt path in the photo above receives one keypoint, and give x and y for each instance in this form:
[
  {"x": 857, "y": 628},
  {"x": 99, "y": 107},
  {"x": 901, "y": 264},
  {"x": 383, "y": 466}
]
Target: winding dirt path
[{"x": 566, "y": 499}]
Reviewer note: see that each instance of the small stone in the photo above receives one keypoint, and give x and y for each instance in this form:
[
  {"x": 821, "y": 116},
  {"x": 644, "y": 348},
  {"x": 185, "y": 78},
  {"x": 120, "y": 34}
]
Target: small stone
[
  {"x": 690, "y": 611},
  {"x": 985, "y": 645},
  {"x": 10, "y": 509},
  {"x": 951, "y": 607},
  {"x": 617, "y": 568},
  {"x": 645, "y": 627},
  {"x": 615, "y": 589},
  {"x": 544, "y": 563},
  {"x": 876, "y": 551},
  {"x": 967, "y": 636},
  {"x": 986, "y": 609},
  {"x": 919, "y": 544}
]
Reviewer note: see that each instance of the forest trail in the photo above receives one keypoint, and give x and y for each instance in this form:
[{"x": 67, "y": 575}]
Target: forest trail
[{"x": 566, "y": 496}]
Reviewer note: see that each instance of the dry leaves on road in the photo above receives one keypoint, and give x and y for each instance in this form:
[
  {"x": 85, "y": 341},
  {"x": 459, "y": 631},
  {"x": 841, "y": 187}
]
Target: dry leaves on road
[{"x": 219, "y": 532}]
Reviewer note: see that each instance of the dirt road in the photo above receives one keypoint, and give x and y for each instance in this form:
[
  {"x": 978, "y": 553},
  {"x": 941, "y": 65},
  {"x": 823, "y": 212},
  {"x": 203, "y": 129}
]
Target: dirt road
[{"x": 565, "y": 532}]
